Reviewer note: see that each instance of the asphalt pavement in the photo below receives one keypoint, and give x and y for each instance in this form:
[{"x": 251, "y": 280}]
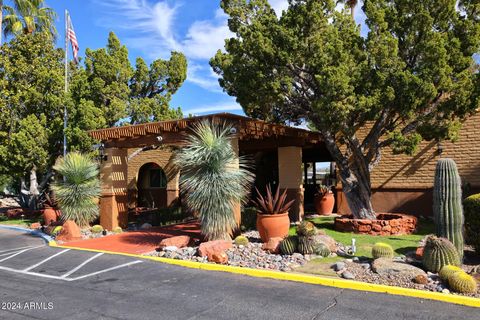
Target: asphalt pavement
[{"x": 40, "y": 282}]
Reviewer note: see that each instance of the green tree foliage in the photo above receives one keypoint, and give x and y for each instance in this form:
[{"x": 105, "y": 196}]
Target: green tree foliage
[
  {"x": 412, "y": 78},
  {"x": 31, "y": 104},
  {"x": 28, "y": 16},
  {"x": 78, "y": 190},
  {"x": 142, "y": 94},
  {"x": 209, "y": 180}
]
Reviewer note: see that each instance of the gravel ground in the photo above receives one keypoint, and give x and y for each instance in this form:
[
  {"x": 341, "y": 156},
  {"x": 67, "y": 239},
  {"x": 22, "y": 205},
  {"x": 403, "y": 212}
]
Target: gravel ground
[
  {"x": 361, "y": 273},
  {"x": 250, "y": 256}
]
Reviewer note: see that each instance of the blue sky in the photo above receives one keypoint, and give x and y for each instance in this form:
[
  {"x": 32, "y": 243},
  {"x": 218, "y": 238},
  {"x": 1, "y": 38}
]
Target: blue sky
[{"x": 152, "y": 29}]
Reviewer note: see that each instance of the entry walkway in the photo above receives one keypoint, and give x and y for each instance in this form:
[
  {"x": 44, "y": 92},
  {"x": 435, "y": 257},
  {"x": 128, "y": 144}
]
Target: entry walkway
[{"x": 141, "y": 241}]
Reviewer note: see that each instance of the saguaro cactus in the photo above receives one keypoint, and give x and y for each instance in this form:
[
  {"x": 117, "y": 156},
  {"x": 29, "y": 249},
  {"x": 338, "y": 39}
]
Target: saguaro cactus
[{"x": 447, "y": 203}]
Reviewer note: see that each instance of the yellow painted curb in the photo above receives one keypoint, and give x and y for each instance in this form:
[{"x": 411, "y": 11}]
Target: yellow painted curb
[{"x": 330, "y": 282}]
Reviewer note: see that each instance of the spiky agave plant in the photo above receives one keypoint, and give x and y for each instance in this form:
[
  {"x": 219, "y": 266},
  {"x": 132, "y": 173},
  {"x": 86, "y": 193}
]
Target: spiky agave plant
[
  {"x": 78, "y": 192},
  {"x": 213, "y": 178}
]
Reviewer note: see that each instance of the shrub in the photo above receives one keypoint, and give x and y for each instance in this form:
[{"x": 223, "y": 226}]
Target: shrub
[
  {"x": 56, "y": 231},
  {"x": 214, "y": 178},
  {"x": 272, "y": 204},
  {"x": 447, "y": 271},
  {"x": 96, "y": 229},
  {"x": 249, "y": 218},
  {"x": 462, "y": 282},
  {"x": 289, "y": 245},
  {"x": 241, "y": 240},
  {"x": 306, "y": 228},
  {"x": 471, "y": 206},
  {"x": 439, "y": 252},
  {"x": 117, "y": 230},
  {"x": 306, "y": 245},
  {"x": 382, "y": 250},
  {"x": 78, "y": 189}
]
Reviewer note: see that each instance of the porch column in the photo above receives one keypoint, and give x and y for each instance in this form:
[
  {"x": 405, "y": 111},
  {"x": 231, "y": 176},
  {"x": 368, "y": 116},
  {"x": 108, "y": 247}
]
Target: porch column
[
  {"x": 237, "y": 206},
  {"x": 113, "y": 179},
  {"x": 290, "y": 178}
]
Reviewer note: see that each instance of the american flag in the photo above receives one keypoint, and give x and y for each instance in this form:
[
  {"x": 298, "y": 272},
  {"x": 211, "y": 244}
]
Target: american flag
[{"x": 73, "y": 38}]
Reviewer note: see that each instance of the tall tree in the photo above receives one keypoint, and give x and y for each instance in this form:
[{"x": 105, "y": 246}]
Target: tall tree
[
  {"x": 412, "y": 78},
  {"x": 140, "y": 95},
  {"x": 28, "y": 16},
  {"x": 31, "y": 116}
]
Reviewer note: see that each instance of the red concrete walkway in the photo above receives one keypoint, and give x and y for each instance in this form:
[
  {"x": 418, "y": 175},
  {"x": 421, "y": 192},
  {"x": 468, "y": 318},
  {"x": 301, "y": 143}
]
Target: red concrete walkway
[{"x": 138, "y": 242}]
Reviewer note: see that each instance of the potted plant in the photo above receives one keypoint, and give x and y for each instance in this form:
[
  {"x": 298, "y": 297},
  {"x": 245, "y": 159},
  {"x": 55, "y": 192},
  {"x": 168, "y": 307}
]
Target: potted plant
[
  {"x": 324, "y": 200},
  {"x": 272, "y": 214}
]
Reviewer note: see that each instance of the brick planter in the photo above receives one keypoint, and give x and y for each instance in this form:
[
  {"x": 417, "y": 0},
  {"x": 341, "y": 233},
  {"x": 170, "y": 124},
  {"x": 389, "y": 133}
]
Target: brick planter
[{"x": 385, "y": 224}]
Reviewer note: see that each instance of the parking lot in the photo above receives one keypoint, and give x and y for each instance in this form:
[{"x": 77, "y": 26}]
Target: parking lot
[
  {"x": 40, "y": 282},
  {"x": 34, "y": 258}
]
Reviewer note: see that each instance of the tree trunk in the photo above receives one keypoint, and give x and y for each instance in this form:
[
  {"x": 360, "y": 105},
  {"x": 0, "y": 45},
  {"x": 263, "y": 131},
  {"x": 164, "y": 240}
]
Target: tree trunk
[
  {"x": 355, "y": 177},
  {"x": 358, "y": 192}
]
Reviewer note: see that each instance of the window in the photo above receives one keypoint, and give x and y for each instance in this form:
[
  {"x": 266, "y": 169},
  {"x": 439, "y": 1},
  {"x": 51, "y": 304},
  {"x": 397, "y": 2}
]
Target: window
[{"x": 157, "y": 178}]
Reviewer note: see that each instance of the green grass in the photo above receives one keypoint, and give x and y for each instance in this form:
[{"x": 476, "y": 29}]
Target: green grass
[
  {"x": 364, "y": 243},
  {"x": 20, "y": 222}
]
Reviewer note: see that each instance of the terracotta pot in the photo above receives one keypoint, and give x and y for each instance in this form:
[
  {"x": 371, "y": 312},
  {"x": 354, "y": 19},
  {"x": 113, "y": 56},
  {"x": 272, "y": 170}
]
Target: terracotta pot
[
  {"x": 273, "y": 225},
  {"x": 324, "y": 204}
]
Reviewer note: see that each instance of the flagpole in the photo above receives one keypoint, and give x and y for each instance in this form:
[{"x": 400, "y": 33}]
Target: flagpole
[{"x": 66, "y": 87}]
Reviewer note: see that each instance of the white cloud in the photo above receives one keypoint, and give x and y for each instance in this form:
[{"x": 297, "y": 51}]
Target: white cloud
[
  {"x": 214, "y": 108},
  {"x": 155, "y": 25}
]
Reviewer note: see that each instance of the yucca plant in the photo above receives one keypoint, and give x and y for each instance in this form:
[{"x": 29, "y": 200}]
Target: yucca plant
[
  {"x": 272, "y": 204},
  {"x": 78, "y": 189},
  {"x": 213, "y": 177}
]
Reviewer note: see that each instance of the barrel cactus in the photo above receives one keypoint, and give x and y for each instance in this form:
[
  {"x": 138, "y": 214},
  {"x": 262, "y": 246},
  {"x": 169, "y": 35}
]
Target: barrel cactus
[
  {"x": 306, "y": 229},
  {"x": 447, "y": 203},
  {"x": 241, "y": 240},
  {"x": 439, "y": 252},
  {"x": 321, "y": 249},
  {"x": 289, "y": 245},
  {"x": 97, "y": 229},
  {"x": 382, "y": 250},
  {"x": 447, "y": 271},
  {"x": 462, "y": 283},
  {"x": 306, "y": 245}
]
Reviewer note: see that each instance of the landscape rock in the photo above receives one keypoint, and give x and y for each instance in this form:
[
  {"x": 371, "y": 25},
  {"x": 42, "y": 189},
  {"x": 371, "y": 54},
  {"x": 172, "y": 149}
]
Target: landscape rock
[
  {"x": 327, "y": 240},
  {"x": 70, "y": 232},
  {"x": 420, "y": 279},
  {"x": 273, "y": 245},
  {"x": 339, "y": 266},
  {"x": 385, "y": 266},
  {"x": 209, "y": 248},
  {"x": 419, "y": 253},
  {"x": 348, "y": 275},
  {"x": 170, "y": 248},
  {"x": 221, "y": 258},
  {"x": 35, "y": 225},
  {"x": 178, "y": 241},
  {"x": 50, "y": 215},
  {"x": 146, "y": 226}
]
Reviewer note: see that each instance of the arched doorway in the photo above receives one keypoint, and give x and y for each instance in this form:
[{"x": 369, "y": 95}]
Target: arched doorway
[{"x": 151, "y": 186}]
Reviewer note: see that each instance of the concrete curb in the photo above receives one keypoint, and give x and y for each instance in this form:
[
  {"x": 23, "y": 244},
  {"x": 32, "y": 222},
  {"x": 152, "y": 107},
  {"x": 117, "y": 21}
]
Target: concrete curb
[
  {"x": 37, "y": 233},
  {"x": 330, "y": 282}
]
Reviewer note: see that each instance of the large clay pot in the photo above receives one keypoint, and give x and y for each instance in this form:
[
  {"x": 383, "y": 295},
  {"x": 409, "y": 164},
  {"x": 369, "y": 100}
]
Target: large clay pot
[
  {"x": 324, "y": 204},
  {"x": 273, "y": 225}
]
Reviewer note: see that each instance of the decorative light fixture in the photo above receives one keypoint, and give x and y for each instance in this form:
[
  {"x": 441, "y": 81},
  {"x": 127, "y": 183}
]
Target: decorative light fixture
[
  {"x": 439, "y": 147},
  {"x": 101, "y": 153}
]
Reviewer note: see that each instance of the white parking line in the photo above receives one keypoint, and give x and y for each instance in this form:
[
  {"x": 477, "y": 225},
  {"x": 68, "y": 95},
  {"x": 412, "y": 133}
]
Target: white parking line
[
  {"x": 14, "y": 249},
  {"x": 45, "y": 260},
  {"x": 20, "y": 252},
  {"x": 81, "y": 265},
  {"x": 105, "y": 270}
]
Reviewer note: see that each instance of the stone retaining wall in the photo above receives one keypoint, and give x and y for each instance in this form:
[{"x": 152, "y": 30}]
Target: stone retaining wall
[{"x": 386, "y": 224}]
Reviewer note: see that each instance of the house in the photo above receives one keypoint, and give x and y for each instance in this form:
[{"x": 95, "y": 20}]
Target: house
[{"x": 135, "y": 169}]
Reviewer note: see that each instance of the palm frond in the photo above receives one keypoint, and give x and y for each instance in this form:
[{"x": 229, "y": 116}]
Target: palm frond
[
  {"x": 77, "y": 194},
  {"x": 212, "y": 177}
]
